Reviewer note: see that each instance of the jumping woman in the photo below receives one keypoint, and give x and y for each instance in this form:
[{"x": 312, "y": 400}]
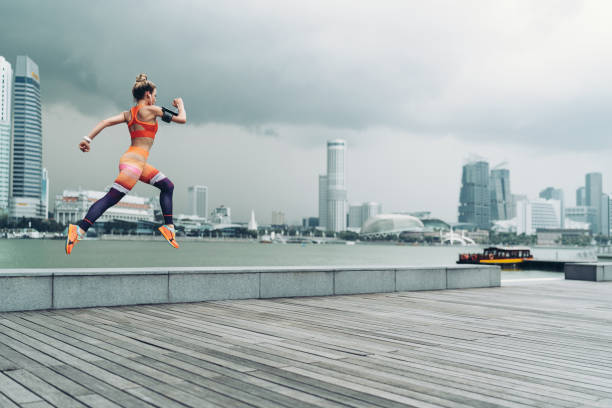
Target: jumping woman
[{"x": 142, "y": 124}]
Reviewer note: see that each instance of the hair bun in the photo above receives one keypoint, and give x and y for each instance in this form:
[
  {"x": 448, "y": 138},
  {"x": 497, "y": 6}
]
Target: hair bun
[{"x": 141, "y": 78}]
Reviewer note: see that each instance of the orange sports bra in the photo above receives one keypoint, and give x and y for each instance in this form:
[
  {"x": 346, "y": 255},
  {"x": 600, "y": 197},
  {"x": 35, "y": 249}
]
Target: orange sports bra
[{"x": 139, "y": 128}]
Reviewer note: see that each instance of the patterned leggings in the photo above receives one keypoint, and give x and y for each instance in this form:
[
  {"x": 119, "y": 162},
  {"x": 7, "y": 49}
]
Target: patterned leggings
[{"x": 133, "y": 167}]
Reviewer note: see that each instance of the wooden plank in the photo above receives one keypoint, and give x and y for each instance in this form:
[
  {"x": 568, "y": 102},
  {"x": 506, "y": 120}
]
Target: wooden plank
[
  {"x": 49, "y": 393},
  {"x": 7, "y": 403},
  {"x": 15, "y": 391},
  {"x": 97, "y": 401},
  {"x": 119, "y": 397},
  {"x": 38, "y": 404}
]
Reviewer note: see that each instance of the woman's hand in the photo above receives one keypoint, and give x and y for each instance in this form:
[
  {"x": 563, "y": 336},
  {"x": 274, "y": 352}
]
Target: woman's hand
[
  {"x": 177, "y": 102},
  {"x": 84, "y": 146}
]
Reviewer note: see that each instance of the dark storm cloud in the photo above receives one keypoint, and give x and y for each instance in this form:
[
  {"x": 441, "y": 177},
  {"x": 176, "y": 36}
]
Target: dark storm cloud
[
  {"x": 479, "y": 71},
  {"x": 231, "y": 64}
]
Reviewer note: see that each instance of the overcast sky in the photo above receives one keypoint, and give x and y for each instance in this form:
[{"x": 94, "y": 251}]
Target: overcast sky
[{"x": 414, "y": 87}]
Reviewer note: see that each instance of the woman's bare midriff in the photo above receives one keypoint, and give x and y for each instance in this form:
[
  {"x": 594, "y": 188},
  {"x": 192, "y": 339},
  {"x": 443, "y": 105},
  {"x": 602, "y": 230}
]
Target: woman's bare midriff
[{"x": 143, "y": 142}]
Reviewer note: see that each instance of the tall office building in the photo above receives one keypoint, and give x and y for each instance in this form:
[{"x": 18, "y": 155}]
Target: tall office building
[
  {"x": 44, "y": 194},
  {"x": 593, "y": 191},
  {"x": 551, "y": 193},
  {"x": 534, "y": 214},
  {"x": 323, "y": 201},
  {"x": 6, "y": 81},
  {"x": 580, "y": 196},
  {"x": 604, "y": 217},
  {"x": 474, "y": 198},
  {"x": 27, "y": 141},
  {"x": 501, "y": 197},
  {"x": 198, "y": 200},
  {"x": 359, "y": 213},
  {"x": 354, "y": 216},
  {"x": 336, "y": 185}
]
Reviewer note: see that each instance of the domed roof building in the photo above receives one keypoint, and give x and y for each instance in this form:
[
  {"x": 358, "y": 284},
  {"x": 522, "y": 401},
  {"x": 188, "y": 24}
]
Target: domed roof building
[
  {"x": 383, "y": 225},
  {"x": 435, "y": 224}
]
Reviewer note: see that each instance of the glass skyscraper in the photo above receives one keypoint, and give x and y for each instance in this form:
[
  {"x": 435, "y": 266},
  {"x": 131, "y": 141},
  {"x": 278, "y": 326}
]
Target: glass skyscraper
[
  {"x": 593, "y": 191},
  {"x": 6, "y": 80},
  {"x": 323, "y": 201},
  {"x": 501, "y": 196},
  {"x": 474, "y": 198},
  {"x": 27, "y": 141},
  {"x": 336, "y": 186},
  {"x": 580, "y": 196}
]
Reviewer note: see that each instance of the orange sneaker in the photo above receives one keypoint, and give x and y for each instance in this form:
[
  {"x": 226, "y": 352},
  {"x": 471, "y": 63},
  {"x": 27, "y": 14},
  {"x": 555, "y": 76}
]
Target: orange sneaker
[
  {"x": 74, "y": 235},
  {"x": 169, "y": 234}
]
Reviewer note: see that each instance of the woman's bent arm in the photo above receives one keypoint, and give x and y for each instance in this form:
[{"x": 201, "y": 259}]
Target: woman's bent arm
[{"x": 182, "y": 114}]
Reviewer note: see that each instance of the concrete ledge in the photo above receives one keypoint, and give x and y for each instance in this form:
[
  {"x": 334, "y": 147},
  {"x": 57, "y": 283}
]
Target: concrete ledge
[
  {"x": 593, "y": 271},
  {"x": 364, "y": 281},
  {"x": 415, "y": 278},
  {"x": 35, "y": 289},
  {"x": 26, "y": 293},
  {"x": 191, "y": 286},
  {"x": 296, "y": 283},
  {"x": 467, "y": 276},
  {"x": 71, "y": 291}
]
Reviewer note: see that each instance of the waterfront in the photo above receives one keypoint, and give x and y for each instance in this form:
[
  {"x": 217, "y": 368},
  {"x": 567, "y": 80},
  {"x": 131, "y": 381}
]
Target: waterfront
[{"x": 115, "y": 254}]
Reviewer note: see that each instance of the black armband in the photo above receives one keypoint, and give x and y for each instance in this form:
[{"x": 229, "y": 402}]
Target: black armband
[{"x": 167, "y": 115}]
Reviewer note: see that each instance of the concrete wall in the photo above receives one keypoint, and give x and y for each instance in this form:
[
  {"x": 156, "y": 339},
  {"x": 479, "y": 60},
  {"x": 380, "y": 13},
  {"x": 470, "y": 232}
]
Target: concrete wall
[
  {"x": 595, "y": 271},
  {"x": 35, "y": 289}
]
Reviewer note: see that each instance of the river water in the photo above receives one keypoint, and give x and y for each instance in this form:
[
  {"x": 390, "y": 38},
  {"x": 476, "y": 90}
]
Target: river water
[{"x": 109, "y": 254}]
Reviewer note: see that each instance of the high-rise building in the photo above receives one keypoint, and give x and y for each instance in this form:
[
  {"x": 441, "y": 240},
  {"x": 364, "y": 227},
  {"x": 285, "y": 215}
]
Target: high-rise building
[
  {"x": 6, "y": 81},
  {"x": 359, "y": 213},
  {"x": 593, "y": 191},
  {"x": 44, "y": 194},
  {"x": 534, "y": 214},
  {"x": 323, "y": 201},
  {"x": 354, "y": 216},
  {"x": 27, "y": 141},
  {"x": 551, "y": 193},
  {"x": 474, "y": 198},
  {"x": 604, "y": 218},
  {"x": 278, "y": 218},
  {"x": 336, "y": 185},
  {"x": 501, "y": 197},
  {"x": 198, "y": 200},
  {"x": 515, "y": 199},
  {"x": 580, "y": 196}
]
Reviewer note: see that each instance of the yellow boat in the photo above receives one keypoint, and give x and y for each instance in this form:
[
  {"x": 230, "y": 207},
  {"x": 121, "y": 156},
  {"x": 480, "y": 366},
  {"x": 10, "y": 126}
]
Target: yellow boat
[{"x": 497, "y": 256}]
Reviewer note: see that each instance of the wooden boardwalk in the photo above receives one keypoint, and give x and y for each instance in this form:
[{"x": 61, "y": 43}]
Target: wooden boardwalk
[{"x": 544, "y": 344}]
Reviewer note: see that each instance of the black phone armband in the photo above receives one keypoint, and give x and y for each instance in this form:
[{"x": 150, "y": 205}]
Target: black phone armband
[{"x": 167, "y": 115}]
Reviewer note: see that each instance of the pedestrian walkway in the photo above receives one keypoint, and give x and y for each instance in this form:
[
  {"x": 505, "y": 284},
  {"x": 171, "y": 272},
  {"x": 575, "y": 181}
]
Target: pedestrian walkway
[{"x": 527, "y": 344}]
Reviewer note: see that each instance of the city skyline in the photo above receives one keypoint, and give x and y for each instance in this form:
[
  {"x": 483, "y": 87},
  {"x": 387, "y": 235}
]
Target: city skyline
[{"x": 419, "y": 108}]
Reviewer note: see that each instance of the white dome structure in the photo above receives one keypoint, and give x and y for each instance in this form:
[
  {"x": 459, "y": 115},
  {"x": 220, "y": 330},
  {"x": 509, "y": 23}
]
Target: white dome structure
[{"x": 383, "y": 225}]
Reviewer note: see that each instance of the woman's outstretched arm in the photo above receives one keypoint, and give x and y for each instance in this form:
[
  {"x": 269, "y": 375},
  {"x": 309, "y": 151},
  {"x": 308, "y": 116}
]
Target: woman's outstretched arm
[{"x": 84, "y": 145}]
